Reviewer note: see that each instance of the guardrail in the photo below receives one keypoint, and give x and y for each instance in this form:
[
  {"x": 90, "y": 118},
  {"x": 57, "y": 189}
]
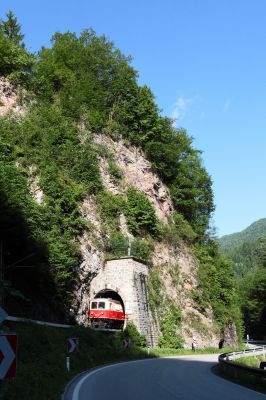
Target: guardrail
[
  {"x": 254, "y": 378},
  {"x": 17, "y": 319},
  {"x": 244, "y": 353}
]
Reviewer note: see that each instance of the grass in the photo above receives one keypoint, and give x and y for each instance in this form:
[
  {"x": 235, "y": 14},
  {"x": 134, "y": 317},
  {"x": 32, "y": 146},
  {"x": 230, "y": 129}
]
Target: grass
[
  {"x": 164, "y": 352},
  {"x": 41, "y": 365},
  {"x": 252, "y": 361}
]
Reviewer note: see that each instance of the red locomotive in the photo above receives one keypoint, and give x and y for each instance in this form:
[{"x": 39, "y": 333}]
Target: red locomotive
[{"x": 106, "y": 314}]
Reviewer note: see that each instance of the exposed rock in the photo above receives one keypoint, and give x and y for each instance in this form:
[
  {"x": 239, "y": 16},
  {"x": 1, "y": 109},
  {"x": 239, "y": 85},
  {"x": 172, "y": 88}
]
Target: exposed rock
[
  {"x": 88, "y": 212},
  {"x": 34, "y": 185},
  {"x": 137, "y": 172},
  {"x": 8, "y": 98},
  {"x": 106, "y": 178},
  {"x": 177, "y": 269},
  {"x": 230, "y": 336},
  {"x": 92, "y": 262}
]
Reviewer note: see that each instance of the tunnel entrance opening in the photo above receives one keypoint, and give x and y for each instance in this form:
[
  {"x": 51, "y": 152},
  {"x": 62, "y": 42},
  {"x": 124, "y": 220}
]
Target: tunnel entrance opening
[{"x": 107, "y": 311}]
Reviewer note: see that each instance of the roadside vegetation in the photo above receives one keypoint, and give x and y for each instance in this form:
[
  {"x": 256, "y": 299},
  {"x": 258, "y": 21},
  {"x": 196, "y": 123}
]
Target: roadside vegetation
[
  {"x": 253, "y": 362},
  {"x": 42, "y": 351}
]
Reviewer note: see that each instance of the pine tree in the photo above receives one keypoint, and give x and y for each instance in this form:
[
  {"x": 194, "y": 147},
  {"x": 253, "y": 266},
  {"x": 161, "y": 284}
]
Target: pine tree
[{"x": 12, "y": 29}]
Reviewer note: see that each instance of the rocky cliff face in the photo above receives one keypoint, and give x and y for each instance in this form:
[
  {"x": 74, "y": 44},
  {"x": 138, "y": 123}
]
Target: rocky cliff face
[
  {"x": 9, "y": 98},
  {"x": 176, "y": 265},
  {"x": 137, "y": 172}
]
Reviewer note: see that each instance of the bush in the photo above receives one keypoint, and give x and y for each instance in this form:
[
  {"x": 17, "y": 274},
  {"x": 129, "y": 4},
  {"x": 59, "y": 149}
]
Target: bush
[
  {"x": 114, "y": 171},
  {"x": 177, "y": 229},
  {"x": 141, "y": 249},
  {"x": 117, "y": 245},
  {"x": 110, "y": 207},
  {"x": 136, "y": 338},
  {"x": 169, "y": 325},
  {"x": 140, "y": 213}
]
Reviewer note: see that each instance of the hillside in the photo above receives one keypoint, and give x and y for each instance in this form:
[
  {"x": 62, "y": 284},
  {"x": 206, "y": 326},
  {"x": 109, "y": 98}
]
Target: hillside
[
  {"x": 244, "y": 247},
  {"x": 247, "y": 252},
  {"x": 89, "y": 164},
  {"x": 253, "y": 232}
]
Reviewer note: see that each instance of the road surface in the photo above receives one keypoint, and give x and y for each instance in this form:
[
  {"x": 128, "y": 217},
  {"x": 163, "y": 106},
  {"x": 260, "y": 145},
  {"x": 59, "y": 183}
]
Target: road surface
[{"x": 179, "y": 378}]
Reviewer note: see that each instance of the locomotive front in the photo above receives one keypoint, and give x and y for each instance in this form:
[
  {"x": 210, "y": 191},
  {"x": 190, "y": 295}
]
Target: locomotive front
[{"x": 106, "y": 314}]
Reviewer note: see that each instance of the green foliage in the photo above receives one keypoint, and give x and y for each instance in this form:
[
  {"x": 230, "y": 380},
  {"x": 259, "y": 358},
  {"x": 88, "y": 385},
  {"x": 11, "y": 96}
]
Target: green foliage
[
  {"x": 252, "y": 361},
  {"x": 140, "y": 214},
  {"x": 11, "y": 28},
  {"x": 136, "y": 338},
  {"x": 196, "y": 324},
  {"x": 117, "y": 245},
  {"x": 180, "y": 165},
  {"x": 155, "y": 292},
  {"x": 84, "y": 71},
  {"x": 217, "y": 286},
  {"x": 42, "y": 359},
  {"x": 253, "y": 232},
  {"x": 140, "y": 115},
  {"x": 114, "y": 171},
  {"x": 169, "y": 315},
  {"x": 169, "y": 325},
  {"x": 253, "y": 293},
  {"x": 176, "y": 230},
  {"x": 246, "y": 251},
  {"x": 141, "y": 249},
  {"x": 174, "y": 271},
  {"x": 245, "y": 248},
  {"x": 48, "y": 142},
  {"x": 15, "y": 62},
  {"x": 110, "y": 206}
]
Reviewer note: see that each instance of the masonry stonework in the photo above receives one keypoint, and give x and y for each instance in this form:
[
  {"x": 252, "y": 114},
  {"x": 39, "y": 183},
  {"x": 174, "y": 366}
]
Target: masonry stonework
[{"x": 128, "y": 277}]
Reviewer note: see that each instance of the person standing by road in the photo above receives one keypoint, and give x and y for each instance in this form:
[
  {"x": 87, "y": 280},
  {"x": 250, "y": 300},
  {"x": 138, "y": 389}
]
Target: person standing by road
[{"x": 194, "y": 343}]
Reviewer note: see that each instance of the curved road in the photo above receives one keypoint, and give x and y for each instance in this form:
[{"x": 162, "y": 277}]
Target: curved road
[{"x": 179, "y": 378}]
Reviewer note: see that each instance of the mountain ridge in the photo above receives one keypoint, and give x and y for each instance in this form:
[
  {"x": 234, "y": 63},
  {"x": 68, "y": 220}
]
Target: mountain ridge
[{"x": 257, "y": 229}]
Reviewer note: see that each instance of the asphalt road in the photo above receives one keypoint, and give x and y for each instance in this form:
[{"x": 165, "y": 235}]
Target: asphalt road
[{"x": 180, "y": 378}]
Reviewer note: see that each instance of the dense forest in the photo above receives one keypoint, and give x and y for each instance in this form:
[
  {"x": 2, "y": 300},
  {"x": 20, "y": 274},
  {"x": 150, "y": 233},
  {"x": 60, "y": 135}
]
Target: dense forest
[
  {"x": 80, "y": 86},
  {"x": 247, "y": 252}
]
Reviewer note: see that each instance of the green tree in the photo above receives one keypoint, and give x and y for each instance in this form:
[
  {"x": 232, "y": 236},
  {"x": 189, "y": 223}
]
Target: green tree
[
  {"x": 15, "y": 62},
  {"x": 11, "y": 28},
  {"x": 140, "y": 214}
]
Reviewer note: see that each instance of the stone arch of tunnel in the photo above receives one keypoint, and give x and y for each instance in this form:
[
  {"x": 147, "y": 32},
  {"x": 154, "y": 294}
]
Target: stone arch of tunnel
[{"x": 127, "y": 277}]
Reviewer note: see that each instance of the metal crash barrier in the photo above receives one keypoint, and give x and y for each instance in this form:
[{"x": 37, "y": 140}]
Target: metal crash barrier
[{"x": 252, "y": 377}]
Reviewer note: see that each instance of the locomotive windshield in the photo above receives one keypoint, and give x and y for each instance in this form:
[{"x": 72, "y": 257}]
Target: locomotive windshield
[
  {"x": 94, "y": 305},
  {"x": 97, "y": 304}
]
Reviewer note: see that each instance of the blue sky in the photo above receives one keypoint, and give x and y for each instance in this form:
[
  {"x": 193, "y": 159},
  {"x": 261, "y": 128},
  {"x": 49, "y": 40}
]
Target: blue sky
[{"x": 205, "y": 61}]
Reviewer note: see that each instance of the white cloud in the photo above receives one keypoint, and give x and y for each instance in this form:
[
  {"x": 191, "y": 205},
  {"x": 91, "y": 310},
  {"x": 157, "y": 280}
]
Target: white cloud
[{"x": 180, "y": 108}]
